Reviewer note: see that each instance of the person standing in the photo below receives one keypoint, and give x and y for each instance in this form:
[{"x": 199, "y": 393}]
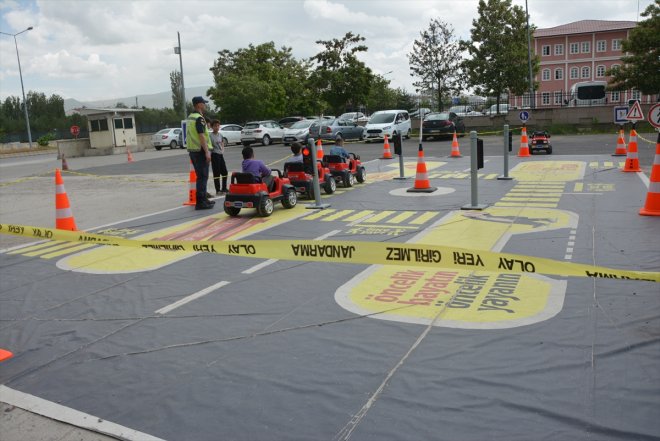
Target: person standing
[
  {"x": 198, "y": 140},
  {"x": 218, "y": 159}
]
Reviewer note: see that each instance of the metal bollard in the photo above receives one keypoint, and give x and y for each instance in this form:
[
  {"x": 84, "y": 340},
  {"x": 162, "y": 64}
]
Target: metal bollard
[
  {"x": 505, "y": 176},
  {"x": 315, "y": 183},
  {"x": 398, "y": 150},
  {"x": 473, "y": 176}
]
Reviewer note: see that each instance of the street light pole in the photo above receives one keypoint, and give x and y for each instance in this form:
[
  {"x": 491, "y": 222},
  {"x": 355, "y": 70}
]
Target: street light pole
[
  {"x": 20, "y": 73},
  {"x": 532, "y": 98},
  {"x": 177, "y": 50}
]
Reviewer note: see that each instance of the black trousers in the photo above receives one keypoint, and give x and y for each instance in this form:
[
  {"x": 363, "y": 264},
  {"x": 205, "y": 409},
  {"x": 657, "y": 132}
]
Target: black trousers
[
  {"x": 219, "y": 170},
  {"x": 202, "y": 170}
]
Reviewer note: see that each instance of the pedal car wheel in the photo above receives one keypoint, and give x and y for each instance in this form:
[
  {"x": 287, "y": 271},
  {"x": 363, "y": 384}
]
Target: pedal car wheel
[
  {"x": 232, "y": 211},
  {"x": 361, "y": 175},
  {"x": 348, "y": 180},
  {"x": 265, "y": 207},
  {"x": 330, "y": 185},
  {"x": 290, "y": 199}
]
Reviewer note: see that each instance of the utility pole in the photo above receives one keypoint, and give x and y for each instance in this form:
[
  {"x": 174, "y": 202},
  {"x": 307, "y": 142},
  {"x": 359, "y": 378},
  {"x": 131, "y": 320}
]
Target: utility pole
[
  {"x": 177, "y": 50},
  {"x": 532, "y": 100}
]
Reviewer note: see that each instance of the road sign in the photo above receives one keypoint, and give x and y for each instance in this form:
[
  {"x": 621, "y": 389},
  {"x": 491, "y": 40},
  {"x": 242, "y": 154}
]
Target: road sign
[
  {"x": 654, "y": 116},
  {"x": 620, "y": 113},
  {"x": 524, "y": 116},
  {"x": 75, "y": 131},
  {"x": 635, "y": 113}
]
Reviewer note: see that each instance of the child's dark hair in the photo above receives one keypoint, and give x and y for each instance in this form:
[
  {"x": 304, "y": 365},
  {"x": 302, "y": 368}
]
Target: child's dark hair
[
  {"x": 247, "y": 152},
  {"x": 295, "y": 148}
]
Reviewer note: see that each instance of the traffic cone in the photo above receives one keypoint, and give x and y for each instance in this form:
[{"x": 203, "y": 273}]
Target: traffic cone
[
  {"x": 319, "y": 150},
  {"x": 620, "y": 145},
  {"x": 455, "y": 152},
  {"x": 632, "y": 160},
  {"x": 387, "y": 153},
  {"x": 192, "y": 187},
  {"x": 524, "y": 144},
  {"x": 422, "y": 184},
  {"x": 63, "y": 216},
  {"x": 65, "y": 166},
  {"x": 129, "y": 156},
  {"x": 652, "y": 205},
  {"x": 5, "y": 354}
]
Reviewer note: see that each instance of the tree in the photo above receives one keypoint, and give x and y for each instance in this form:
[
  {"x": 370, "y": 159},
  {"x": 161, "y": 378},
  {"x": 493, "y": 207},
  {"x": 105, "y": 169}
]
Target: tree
[
  {"x": 340, "y": 77},
  {"x": 642, "y": 66},
  {"x": 177, "y": 91},
  {"x": 436, "y": 61},
  {"x": 497, "y": 46}
]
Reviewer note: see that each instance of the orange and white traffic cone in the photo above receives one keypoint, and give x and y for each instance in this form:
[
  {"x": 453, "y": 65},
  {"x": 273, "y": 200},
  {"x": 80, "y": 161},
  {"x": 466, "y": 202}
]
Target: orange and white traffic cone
[
  {"x": 129, "y": 155},
  {"x": 319, "y": 150},
  {"x": 63, "y": 216},
  {"x": 632, "y": 160},
  {"x": 455, "y": 152},
  {"x": 192, "y": 187},
  {"x": 387, "y": 153},
  {"x": 652, "y": 205},
  {"x": 65, "y": 166},
  {"x": 524, "y": 144},
  {"x": 5, "y": 354},
  {"x": 620, "y": 145},
  {"x": 422, "y": 183}
]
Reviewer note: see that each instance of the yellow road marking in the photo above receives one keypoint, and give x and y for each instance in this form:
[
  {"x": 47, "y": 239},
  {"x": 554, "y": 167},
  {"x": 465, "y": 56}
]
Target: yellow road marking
[
  {"x": 424, "y": 218},
  {"x": 337, "y": 215},
  {"x": 579, "y": 186},
  {"x": 378, "y": 217},
  {"x": 401, "y": 217},
  {"x": 359, "y": 215}
]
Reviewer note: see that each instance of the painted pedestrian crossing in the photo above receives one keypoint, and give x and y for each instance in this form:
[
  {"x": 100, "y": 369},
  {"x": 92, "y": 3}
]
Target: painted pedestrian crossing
[
  {"x": 371, "y": 217},
  {"x": 533, "y": 194}
]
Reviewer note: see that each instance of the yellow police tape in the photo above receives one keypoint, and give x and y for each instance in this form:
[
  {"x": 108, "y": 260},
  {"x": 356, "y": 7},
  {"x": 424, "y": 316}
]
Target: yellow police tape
[{"x": 402, "y": 254}]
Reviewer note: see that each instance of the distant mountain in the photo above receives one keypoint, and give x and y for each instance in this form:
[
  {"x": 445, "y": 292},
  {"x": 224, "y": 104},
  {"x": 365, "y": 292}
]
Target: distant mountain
[{"x": 152, "y": 101}]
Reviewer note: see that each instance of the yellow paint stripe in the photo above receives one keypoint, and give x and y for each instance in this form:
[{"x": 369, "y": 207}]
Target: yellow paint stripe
[
  {"x": 530, "y": 199},
  {"x": 67, "y": 251},
  {"x": 337, "y": 215},
  {"x": 359, "y": 215},
  {"x": 491, "y": 176},
  {"x": 534, "y": 194},
  {"x": 379, "y": 217},
  {"x": 621, "y": 164},
  {"x": 35, "y": 247},
  {"x": 319, "y": 214},
  {"x": 531, "y": 205},
  {"x": 423, "y": 218},
  {"x": 608, "y": 164},
  {"x": 593, "y": 164},
  {"x": 401, "y": 217},
  {"x": 579, "y": 186},
  {"x": 46, "y": 250}
]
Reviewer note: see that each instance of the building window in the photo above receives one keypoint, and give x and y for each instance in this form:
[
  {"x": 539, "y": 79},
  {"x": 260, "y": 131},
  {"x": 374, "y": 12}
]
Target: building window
[
  {"x": 545, "y": 98},
  {"x": 600, "y": 71},
  {"x": 526, "y": 100},
  {"x": 545, "y": 51},
  {"x": 586, "y": 47},
  {"x": 128, "y": 123},
  {"x": 586, "y": 72},
  {"x": 601, "y": 46},
  {"x": 119, "y": 124},
  {"x": 575, "y": 73},
  {"x": 558, "y": 97},
  {"x": 636, "y": 95},
  {"x": 545, "y": 75},
  {"x": 615, "y": 67},
  {"x": 615, "y": 97},
  {"x": 559, "y": 49},
  {"x": 99, "y": 125},
  {"x": 616, "y": 44},
  {"x": 575, "y": 48},
  {"x": 559, "y": 74}
]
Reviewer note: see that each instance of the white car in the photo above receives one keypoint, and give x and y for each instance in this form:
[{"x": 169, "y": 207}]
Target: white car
[
  {"x": 354, "y": 117},
  {"x": 231, "y": 133},
  {"x": 262, "y": 132},
  {"x": 464, "y": 111},
  {"x": 388, "y": 122},
  {"x": 504, "y": 109},
  {"x": 171, "y": 138},
  {"x": 299, "y": 131}
]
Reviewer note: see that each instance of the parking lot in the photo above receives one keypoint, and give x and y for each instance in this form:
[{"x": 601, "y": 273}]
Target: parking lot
[{"x": 200, "y": 346}]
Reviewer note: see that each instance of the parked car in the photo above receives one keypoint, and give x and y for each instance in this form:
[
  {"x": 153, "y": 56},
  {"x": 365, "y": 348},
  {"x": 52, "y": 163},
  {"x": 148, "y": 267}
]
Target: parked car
[
  {"x": 263, "y": 132},
  {"x": 171, "y": 138},
  {"x": 354, "y": 116},
  {"x": 299, "y": 131},
  {"x": 504, "y": 108},
  {"x": 335, "y": 129},
  {"x": 388, "y": 122},
  {"x": 320, "y": 117},
  {"x": 440, "y": 124},
  {"x": 423, "y": 111},
  {"x": 287, "y": 121},
  {"x": 464, "y": 111},
  {"x": 231, "y": 133}
]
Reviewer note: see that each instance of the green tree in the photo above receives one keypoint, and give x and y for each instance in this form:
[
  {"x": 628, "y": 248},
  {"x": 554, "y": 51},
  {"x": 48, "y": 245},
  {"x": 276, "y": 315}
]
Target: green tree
[
  {"x": 381, "y": 96},
  {"x": 260, "y": 82},
  {"x": 497, "y": 46},
  {"x": 177, "y": 91},
  {"x": 342, "y": 80},
  {"x": 435, "y": 61},
  {"x": 641, "y": 68}
]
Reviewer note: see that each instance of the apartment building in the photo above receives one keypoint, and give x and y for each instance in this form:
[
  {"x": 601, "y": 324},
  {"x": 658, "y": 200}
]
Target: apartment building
[{"x": 576, "y": 52}]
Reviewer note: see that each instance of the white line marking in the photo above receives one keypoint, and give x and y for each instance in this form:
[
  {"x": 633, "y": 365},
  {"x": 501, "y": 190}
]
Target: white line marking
[
  {"x": 644, "y": 178},
  {"x": 326, "y": 235},
  {"x": 569, "y": 249},
  {"x": 67, "y": 415},
  {"x": 568, "y": 257},
  {"x": 191, "y": 297}
]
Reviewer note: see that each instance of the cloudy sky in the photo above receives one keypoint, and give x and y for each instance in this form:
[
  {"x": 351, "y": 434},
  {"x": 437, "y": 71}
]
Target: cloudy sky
[{"x": 101, "y": 49}]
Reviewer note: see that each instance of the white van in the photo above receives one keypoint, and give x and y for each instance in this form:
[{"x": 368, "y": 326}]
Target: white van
[
  {"x": 388, "y": 122},
  {"x": 503, "y": 109},
  {"x": 587, "y": 93}
]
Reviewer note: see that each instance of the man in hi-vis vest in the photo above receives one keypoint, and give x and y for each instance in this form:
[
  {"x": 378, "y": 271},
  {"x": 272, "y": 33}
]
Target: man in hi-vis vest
[{"x": 197, "y": 138}]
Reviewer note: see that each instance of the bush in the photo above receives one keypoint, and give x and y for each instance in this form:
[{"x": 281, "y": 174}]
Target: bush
[{"x": 44, "y": 140}]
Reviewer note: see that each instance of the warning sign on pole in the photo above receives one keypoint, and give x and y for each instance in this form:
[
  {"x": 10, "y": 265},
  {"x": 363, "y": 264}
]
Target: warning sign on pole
[
  {"x": 654, "y": 116},
  {"x": 635, "y": 113}
]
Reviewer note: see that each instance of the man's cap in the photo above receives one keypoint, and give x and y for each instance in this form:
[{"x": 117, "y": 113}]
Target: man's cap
[{"x": 198, "y": 99}]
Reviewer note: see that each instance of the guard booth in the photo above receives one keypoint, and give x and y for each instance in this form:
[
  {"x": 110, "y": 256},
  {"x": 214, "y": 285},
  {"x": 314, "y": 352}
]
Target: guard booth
[{"x": 111, "y": 130}]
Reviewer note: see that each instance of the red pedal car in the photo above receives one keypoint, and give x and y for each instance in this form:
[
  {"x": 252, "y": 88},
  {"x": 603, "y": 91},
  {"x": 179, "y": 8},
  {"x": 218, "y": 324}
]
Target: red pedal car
[
  {"x": 346, "y": 171},
  {"x": 247, "y": 191},
  {"x": 301, "y": 177},
  {"x": 540, "y": 141}
]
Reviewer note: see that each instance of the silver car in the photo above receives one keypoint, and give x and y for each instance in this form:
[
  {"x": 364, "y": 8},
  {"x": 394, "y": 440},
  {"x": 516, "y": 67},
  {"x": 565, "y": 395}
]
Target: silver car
[
  {"x": 337, "y": 129},
  {"x": 171, "y": 138},
  {"x": 299, "y": 131}
]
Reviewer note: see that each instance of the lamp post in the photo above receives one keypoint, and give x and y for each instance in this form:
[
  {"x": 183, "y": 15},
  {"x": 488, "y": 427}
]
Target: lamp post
[
  {"x": 177, "y": 50},
  {"x": 532, "y": 98},
  {"x": 20, "y": 73}
]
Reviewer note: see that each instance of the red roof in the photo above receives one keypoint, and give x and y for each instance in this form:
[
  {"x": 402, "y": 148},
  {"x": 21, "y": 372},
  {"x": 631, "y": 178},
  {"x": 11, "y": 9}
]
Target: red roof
[{"x": 584, "y": 27}]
